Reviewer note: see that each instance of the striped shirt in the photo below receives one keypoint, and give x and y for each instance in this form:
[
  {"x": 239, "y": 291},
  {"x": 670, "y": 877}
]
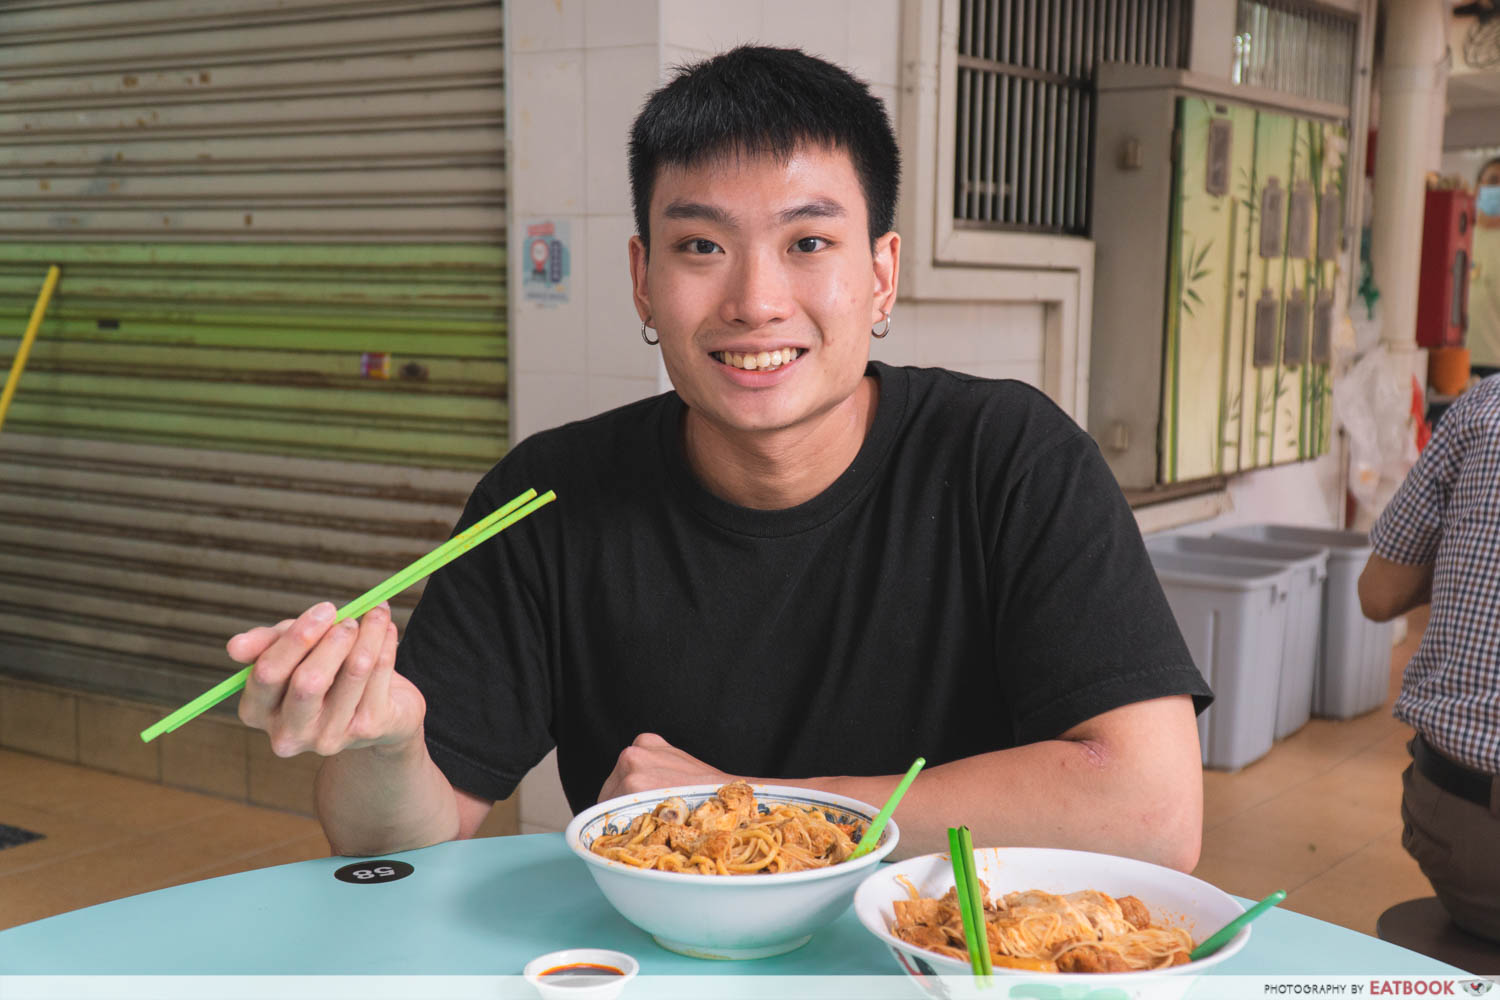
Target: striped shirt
[{"x": 1447, "y": 512}]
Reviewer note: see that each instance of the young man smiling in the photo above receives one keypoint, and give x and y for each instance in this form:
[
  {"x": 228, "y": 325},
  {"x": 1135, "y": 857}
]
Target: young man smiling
[{"x": 799, "y": 565}]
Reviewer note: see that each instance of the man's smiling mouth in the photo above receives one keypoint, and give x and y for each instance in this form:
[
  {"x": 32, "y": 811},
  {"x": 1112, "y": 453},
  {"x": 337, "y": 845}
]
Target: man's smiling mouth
[{"x": 759, "y": 362}]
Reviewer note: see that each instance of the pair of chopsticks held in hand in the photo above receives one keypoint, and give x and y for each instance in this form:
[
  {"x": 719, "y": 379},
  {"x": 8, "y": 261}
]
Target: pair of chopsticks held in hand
[{"x": 492, "y": 524}]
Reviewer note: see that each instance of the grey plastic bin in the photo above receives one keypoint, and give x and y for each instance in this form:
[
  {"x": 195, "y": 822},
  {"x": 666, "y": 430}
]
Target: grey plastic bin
[
  {"x": 1232, "y": 612},
  {"x": 1354, "y": 669},
  {"x": 1304, "y": 612}
]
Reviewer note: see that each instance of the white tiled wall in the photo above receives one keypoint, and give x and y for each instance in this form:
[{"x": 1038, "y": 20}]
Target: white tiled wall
[{"x": 990, "y": 339}]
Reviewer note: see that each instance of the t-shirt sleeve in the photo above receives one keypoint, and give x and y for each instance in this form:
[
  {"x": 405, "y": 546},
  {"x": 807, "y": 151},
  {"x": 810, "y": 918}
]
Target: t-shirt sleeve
[
  {"x": 1409, "y": 528},
  {"x": 1082, "y": 624},
  {"x": 475, "y": 647}
]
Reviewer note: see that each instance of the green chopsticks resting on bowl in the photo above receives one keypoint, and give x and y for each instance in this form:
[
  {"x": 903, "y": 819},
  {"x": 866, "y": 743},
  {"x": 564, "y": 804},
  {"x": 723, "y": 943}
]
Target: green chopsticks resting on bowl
[
  {"x": 877, "y": 825},
  {"x": 970, "y": 899},
  {"x": 1221, "y": 937},
  {"x": 491, "y": 524}
]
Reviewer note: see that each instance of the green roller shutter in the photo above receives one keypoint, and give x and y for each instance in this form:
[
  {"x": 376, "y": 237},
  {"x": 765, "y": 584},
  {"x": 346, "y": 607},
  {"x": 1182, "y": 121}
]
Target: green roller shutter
[{"x": 277, "y": 357}]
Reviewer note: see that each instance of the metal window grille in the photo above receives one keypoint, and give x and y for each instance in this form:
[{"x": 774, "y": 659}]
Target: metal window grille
[
  {"x": 1295, "y": 48},
  {"x": 1026, "y": 98}
]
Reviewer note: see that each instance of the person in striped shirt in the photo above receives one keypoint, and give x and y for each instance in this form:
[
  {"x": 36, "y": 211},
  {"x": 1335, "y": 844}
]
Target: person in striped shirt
[{"x": 1438, "y": 541}]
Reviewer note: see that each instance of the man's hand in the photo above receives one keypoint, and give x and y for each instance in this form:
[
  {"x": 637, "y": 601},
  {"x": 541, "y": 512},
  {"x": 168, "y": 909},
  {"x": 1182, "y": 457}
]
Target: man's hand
[
  {"x": 327, "y": 688},
  {"x": 651, "y": 762}
]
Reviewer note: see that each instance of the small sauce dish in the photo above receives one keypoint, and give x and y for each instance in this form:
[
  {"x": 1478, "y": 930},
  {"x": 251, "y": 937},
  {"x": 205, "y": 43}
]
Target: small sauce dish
[{"x": 581, "y": 973}]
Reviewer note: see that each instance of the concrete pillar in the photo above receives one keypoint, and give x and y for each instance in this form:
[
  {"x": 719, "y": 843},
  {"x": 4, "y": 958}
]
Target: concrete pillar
[{"x": 1413, "y": 82}]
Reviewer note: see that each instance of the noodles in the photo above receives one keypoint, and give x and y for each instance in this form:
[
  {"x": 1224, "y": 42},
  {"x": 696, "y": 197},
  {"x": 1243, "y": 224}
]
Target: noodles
[
  {"x": 1085, "y": 931},
  {"x": 729, "y": 834}
]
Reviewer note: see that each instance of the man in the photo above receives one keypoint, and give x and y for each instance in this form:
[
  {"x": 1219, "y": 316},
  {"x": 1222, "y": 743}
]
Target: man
[
  {"x": 1483, "y": 335},
  {"x": 797, "y": 566},
  {"x": 1439, "y": 540}
]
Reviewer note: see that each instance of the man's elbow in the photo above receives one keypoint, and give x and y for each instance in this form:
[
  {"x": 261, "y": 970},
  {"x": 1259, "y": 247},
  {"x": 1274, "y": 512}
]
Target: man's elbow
[
  {"x": 1375, "y": 604},
  {"x": 1181, "y": 849}
]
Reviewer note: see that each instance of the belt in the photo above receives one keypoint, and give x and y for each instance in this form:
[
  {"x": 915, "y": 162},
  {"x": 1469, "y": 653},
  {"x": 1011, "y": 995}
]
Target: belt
[{"x": 1451, "y": 776}]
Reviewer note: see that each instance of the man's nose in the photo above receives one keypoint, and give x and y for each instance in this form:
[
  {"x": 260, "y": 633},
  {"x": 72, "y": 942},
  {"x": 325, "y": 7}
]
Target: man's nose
[{"x": 759, "y": 293}]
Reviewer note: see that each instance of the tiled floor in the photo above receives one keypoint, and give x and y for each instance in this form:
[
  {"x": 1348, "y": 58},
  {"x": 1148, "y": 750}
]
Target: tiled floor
[{"x": 1319, "y": 817}]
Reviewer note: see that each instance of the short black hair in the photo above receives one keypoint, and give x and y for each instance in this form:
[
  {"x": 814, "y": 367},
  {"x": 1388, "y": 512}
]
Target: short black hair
[
  {"x": 759, "y": 101},
  {"x": 1491, "y": 162}
]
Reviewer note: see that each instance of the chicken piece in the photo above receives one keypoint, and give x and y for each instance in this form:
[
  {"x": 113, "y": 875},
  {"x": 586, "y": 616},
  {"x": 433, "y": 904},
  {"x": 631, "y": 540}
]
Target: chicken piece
[
  {"x": 739, "y": 799},
  {"x": 711, "y": 815},
  {"x": 684, "y": 839},
  {"x": 1091, "y": 958},
  {"x": 673, "y": 810},
  {"x": 1102, "y": 912},
  {"x": 923, "y": 912},
  {"x": 951, "y": 896},
  {"x": 922, "y": 936},
  {"x": 821, "y": 837},
  {"x": 716, "y": 845},
  {"x": 1135, "y": 913}
]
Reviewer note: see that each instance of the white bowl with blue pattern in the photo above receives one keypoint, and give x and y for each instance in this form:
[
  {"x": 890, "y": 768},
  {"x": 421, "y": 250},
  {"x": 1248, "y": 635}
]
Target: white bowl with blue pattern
[{"x": 727, "y": 916}]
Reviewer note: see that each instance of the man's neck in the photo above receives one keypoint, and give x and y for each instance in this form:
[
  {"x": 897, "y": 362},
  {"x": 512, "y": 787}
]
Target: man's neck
[{"x": 774, "y": 471}]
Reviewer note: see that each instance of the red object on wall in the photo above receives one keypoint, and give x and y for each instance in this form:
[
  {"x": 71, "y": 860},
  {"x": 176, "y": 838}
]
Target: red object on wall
[
  {"x": 1447, "y": 256},
  {"x": 1419, "y": 414}
]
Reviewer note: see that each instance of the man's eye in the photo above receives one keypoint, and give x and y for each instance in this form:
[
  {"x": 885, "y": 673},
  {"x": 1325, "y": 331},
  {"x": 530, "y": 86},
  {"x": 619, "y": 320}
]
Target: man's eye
[
  {"x": 701, "y": 246},
  {"x": 810, "y": 244}
]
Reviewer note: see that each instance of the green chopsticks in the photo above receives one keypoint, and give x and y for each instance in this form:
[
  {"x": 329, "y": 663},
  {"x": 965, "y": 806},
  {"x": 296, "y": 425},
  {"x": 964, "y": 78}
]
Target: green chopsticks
[
  {"x": 1218, "y": 940},
  {"x": 491, "y": 524},
  {"x": 877, "y": 825},
  {"x": 970, "y": 899}
]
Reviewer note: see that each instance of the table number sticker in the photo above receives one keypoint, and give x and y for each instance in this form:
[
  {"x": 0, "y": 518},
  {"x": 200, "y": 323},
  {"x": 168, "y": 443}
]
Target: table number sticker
[{"x": 373, "y": 872}]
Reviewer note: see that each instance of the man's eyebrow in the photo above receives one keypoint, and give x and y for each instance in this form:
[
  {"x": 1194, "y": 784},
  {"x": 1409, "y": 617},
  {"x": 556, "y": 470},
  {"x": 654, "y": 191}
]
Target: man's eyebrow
[
  {"x": 821, "y": 208},
  {"x": 698, "y": 210}
]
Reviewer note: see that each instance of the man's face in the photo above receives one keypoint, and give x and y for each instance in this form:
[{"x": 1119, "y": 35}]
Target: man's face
[
  {"x": 762, "y": 286},
  {"x": 1489, "y": 214}
]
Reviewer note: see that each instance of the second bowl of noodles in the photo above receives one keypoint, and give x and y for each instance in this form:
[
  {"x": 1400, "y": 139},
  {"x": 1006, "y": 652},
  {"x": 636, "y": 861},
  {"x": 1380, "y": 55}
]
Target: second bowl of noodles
[
  {"x": 731, "y": 871},
  {"x": 1068, "y": 920}
]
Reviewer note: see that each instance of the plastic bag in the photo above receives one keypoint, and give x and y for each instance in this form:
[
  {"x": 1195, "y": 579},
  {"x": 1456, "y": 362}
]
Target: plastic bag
[{"x": 1373, "y": 403}]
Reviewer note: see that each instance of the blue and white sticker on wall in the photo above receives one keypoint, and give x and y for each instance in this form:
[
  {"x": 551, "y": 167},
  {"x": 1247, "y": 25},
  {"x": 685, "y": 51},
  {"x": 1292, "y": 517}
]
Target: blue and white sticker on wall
[{"x": 547, "y": 262}]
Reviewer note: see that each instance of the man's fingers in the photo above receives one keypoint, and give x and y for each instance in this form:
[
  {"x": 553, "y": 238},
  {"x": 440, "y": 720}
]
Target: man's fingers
[
  {"x": 306, "y": 689},
  {"x": 650, "y": 740},
  {"x": 374, "y": 705},
  {"x": 274, "y": 665},
  {"x": 249, "y": 644},
  {"x": 349, "y": 683}
]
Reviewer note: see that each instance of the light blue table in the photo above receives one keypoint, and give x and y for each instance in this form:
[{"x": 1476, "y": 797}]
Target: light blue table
[{"x": 485, "y": 907}]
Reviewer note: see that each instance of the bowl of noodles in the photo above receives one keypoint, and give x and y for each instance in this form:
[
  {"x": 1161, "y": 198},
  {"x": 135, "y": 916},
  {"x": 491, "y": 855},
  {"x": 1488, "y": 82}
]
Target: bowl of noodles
[
  {"x": 733, "y": 871},
  {"x": 1073, "y": 921}
]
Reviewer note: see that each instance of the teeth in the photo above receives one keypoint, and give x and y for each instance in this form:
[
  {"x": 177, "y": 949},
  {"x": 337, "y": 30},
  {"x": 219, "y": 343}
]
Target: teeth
[{"x": 762, "y": 361}]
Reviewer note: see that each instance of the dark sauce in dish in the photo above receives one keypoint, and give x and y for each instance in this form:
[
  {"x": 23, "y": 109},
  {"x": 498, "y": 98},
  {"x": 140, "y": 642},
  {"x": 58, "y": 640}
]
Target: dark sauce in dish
[{"x": 580, "y": 974}]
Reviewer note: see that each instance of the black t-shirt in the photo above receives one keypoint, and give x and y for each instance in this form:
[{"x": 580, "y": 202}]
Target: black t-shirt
[{"x": 973, "y": 581}]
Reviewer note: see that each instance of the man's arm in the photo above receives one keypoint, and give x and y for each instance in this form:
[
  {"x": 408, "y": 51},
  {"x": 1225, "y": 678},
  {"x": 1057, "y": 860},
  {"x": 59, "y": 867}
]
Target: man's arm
[
  {"x": 1129, "y": 781},
  {"x": 1388, "y": 589},
  {"x": 384, "y": 799}
]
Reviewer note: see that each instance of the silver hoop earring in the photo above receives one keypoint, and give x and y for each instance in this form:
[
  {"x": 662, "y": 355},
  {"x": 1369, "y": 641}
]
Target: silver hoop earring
[
  {"x": 884, "y": 326},
  {"x": 647, "y": 339}
]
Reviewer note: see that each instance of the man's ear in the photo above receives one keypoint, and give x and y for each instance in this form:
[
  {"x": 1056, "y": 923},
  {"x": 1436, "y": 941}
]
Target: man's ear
[
  {"x": 639, "y": 290},
  {"x": 887, "y": 263}
]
